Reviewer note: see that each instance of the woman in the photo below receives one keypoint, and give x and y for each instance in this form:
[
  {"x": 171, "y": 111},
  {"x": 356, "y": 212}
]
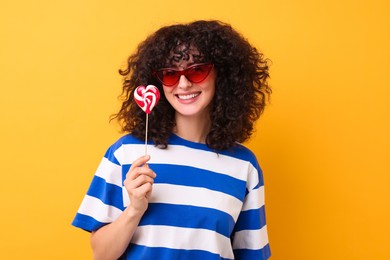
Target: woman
[{"x": 199, "y": 193}]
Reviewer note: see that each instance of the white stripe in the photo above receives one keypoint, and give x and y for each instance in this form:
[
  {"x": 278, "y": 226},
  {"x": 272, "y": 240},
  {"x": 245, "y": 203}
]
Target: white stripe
[
  {"x": 254, "y": 200},
  {"x": 253, "y": 178},
  {"x": 96, "y": 209},
  {"x": 251, "y": 239},
  {"x": 125, "y": 197},
  {"x": 128, "y": 153},
  {"x": 183, "y": 238},
  {"x": 181, "y": 155},
  {"x": 200, "y": 197},
  {"x": 109, "y": 171}
]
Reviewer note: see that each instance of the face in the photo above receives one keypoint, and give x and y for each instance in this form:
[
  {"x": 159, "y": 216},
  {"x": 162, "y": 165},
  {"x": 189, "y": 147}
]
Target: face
[{"x": 188, "y": 98}]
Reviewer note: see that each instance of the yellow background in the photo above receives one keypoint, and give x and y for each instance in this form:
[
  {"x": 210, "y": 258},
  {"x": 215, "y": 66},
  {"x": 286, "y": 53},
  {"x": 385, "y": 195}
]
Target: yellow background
[{"x": 323, "y": 142}]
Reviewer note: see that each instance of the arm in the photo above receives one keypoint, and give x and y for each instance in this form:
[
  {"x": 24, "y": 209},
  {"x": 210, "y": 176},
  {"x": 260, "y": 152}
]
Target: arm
[
  {"x": 110, "y": 241},
  {"x": 250, "y": 240}
]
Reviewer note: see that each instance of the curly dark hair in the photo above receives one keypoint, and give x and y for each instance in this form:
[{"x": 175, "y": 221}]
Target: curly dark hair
[{"x": 241, "y": 87}]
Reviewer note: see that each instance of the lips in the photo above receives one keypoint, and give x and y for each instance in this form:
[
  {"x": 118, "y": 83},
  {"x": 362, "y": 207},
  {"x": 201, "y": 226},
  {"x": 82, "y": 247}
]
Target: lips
[{"x": 187, "y": 96}]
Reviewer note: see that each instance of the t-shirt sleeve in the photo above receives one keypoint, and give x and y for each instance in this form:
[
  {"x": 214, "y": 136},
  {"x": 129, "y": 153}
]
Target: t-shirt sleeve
[
  {"x": 250, "y": 238},
  {"x": 103, "y": 202}
]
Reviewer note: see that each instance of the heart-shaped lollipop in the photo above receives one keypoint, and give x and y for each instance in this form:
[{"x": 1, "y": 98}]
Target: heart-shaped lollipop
[{"x": 147, "y": 97}]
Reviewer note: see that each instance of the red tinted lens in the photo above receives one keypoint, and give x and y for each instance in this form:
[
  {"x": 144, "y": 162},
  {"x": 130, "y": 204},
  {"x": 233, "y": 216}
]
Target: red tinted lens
[
  {"x": 168, "y": 77},
  {"x": 198, "y": 73}
]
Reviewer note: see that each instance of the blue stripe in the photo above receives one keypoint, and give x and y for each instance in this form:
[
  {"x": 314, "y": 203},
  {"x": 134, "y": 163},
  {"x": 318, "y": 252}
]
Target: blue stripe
[
  {"x": 251, "y": 219},
  {"x": 86, "y": 222},
  {"x": 110, "y": 155},
  {"x": 151, "y": 253},
  {"x": 188, "y": 216},
  {"x": 125, "y": 170},
  {"x": 195, "y": 177},
  {"x": 109, "y": 194},
  {"x": 238, "y": 151},
  {"x": 260, "y": 254}
]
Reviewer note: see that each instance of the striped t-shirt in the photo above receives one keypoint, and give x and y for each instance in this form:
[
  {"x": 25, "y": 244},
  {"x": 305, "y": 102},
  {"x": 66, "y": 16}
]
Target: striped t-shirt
[{"x": 204, "y": 205}]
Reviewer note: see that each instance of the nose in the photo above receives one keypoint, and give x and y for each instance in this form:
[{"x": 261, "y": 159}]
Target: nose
[{"x": 184, "y": 82}]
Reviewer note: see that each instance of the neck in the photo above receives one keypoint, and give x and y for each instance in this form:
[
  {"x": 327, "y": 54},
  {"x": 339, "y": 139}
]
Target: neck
[{"x": 193, "y": 129}]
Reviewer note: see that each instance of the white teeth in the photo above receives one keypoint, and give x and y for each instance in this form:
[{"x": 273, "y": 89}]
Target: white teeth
[{"x": 189, "y": 96}]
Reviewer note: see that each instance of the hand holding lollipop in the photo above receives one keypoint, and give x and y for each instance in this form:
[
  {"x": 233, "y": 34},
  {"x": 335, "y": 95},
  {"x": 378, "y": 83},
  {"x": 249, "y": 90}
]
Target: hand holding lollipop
[{"x": 146, "y": 98}]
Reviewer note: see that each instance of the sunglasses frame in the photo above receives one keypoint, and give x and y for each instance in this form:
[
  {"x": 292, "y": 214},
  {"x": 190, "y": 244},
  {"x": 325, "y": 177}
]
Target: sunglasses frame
[{"x": 184, "y": 72}]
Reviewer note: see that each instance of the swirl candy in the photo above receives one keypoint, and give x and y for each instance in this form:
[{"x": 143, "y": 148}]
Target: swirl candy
[{"x": 147, "y": 97}]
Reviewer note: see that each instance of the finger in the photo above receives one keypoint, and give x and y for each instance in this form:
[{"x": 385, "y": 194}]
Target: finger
[
  {"x": 139, "y": 181},
  {"x": 140, "y": 192},
  {"x": 140, "y": 161},
  {"x": 145, "y": 189},
  {"x": 140, "y": 171},
  {"x": 149, "y": 193},
  {"x": 146, "y": 171},
  {"x": 137, "y": 164}
]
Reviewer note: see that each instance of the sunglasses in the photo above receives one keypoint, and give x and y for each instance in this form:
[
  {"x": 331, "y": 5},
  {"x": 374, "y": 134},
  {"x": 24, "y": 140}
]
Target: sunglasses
[{"x": 195, "y": 74}]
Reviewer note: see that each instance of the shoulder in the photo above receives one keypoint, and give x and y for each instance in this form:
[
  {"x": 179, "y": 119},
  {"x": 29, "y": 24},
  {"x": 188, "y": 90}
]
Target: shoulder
[
  {"x": 241, "y": 152},
  {"x": 124, "y": 140},
  {"x": 128, "y": 139},
  {"x": 117, "y": 146}
]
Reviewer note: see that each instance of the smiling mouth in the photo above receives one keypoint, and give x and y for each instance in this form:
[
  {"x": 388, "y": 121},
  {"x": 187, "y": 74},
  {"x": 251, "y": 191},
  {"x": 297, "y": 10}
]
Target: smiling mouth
[{"x": 188, "y": 96}]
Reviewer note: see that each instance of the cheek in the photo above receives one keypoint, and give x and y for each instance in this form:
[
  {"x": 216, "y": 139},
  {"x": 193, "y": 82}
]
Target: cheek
[
  {"x": 168, "y": 93},
  {"x": 210, "y": 84},
  {"x": 167, "y": 90},
  {"x": 211, "y": 93}
]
